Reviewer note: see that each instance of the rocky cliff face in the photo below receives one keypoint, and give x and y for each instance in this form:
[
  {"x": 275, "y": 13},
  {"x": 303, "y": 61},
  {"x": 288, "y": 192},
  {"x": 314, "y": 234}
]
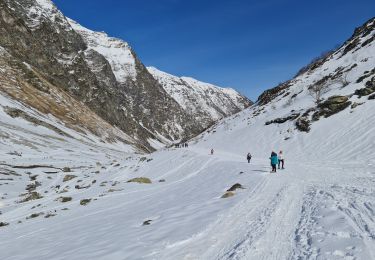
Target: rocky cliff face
[{"x": 101, "y": 72}]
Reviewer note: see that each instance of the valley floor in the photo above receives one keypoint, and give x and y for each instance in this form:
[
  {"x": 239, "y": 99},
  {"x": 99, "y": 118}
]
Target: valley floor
[{"x": 312, "y": 210}]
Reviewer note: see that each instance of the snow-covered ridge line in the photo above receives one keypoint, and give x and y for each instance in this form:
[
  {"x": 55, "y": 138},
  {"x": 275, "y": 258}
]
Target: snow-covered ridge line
[
  {"x": 201, "y": 99},
  {"x": 116, "y": 51}
]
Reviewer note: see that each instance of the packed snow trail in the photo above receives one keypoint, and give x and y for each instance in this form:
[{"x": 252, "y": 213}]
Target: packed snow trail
[
  {"x": 272, "y": 220},
  {"x": 278, "y": 216}
]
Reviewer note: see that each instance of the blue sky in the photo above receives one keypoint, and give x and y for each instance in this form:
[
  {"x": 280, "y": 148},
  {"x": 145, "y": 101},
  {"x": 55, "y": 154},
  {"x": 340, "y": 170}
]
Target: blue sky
[{"x": 245, "y": 44}]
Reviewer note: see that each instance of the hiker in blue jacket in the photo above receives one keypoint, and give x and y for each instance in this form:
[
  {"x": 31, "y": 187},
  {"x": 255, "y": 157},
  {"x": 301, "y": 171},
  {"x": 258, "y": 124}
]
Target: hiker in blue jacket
[{"x": 274, "y": 161}]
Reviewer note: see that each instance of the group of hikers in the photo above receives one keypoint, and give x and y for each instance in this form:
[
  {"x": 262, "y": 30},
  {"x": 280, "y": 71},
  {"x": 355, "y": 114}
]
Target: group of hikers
[
  {"x": 182, "y": 145},
  {"x": 277, "y": 159}
]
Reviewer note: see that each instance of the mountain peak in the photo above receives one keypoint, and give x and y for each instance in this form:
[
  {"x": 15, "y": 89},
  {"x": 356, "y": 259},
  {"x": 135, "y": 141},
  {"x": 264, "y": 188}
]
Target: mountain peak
[{"x": 116, "y": 51}]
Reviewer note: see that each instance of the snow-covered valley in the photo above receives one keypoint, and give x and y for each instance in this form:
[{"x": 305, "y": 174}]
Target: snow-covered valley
[
  {"x": 315, "y": 208},
  {"x": 78, "y": 179},
  {"x": 320, "y": 207}
]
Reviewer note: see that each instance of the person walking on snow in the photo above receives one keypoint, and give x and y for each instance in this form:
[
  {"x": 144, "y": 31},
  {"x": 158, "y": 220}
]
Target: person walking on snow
[
  {"x": 281, "y": 159},
  {"x": 274, "y": 161},
  {"x": 248, "y": 157},
  {"x": 212, "y": 151}
]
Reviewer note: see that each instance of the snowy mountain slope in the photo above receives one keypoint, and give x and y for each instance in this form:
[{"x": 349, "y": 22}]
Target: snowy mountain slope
[
  {"x": 62, "y": 56},
  {"x": 101, "y": 72},
  {"x": 343, "y": 113},
  {"x": 204, "y": 101},
  {"x": 320, "y": 207}
]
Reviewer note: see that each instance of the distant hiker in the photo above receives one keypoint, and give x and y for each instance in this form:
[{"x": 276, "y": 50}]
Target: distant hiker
[
  {"x": 281, "y": 159},
  {"x": 248, "y": 157},
  {"x": 186, "y": 145},
  {"x": 274, "y": 161},
  {"x": 212, "y": 151}
]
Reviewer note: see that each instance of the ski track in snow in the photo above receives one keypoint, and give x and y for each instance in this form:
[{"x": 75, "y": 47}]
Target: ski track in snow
[{"x": 283, "y": 210}]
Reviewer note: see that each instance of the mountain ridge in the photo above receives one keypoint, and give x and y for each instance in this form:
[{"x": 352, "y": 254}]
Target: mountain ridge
[
  {"x": 37, "y": 33},
  {"x": 202, "y": 100}
]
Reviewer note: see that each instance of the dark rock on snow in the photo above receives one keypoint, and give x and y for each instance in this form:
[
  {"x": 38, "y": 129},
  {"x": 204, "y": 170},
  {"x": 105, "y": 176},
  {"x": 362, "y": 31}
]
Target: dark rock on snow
[
  {"x": 331, "y": 106},
  {"x": 303, "y": 124},
  {"x": 283, "y": 119}
]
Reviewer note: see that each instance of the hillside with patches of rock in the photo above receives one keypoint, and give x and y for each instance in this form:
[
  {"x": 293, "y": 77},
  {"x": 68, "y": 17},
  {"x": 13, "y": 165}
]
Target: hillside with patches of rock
[{"x": 339, "y": 82}]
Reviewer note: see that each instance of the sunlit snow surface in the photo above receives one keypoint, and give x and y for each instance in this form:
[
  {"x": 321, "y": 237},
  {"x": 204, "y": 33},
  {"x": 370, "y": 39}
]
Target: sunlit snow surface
[{"x": 322, "y": 206}]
